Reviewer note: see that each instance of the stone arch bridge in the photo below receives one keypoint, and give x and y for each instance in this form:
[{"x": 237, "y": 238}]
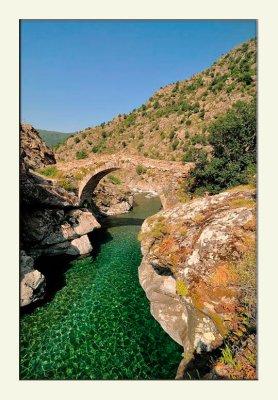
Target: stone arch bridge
[{"x": 99, "y": 167}]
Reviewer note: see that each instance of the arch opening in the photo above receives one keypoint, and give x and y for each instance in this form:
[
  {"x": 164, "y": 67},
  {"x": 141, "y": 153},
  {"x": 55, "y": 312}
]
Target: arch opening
[{"x": 89, "y": 184}]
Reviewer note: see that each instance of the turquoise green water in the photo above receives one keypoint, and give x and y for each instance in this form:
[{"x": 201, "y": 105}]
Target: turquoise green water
[{"x": 98, "y": 324}]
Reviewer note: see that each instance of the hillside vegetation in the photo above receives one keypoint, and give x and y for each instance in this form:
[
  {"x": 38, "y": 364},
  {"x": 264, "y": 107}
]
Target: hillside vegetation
[
  {"x": 175, "y": 122},
  {"x": 233, "y": 159}
]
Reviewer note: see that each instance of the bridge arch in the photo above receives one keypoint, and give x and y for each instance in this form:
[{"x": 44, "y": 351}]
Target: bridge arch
[{"x": 90, "y": 182}]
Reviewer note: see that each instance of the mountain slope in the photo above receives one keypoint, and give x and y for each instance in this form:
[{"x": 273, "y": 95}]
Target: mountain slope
[
  {"x": 173, "y": 123},
  {"x": 53, "y": 137}
]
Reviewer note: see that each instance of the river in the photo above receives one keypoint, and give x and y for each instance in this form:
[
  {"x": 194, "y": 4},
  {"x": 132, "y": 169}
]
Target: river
[{"x": 97, "y": 323}]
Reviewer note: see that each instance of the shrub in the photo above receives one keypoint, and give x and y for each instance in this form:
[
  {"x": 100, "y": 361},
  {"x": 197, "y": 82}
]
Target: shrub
[
  {"x": 114, "y": 179},
  {"x": 84, "y": 135},
  {"x": 171, "y": 135},
  {"x": 176, "y": 87},
  {"x": 194, "y": 155},
  {"x": 199, "y": 139},
  {"x": 157, "y": 231},
  {"x": 140, "y": 169},
  {"x": 66, "y": 184},
  {"x": 95, "y": 149},
  {"x": 246, "y": 78},
  {"x": 188, "y": 122},
  {"x": 175, "y": 144},
  {"x": 230, "y": 88},
  {"x": 202, "y": 114},
  {"x": 76, "y": 139},
  {"x": 81, "y": 154},
  {"x": 156, "y": 104},
  {"x": 49, "y": 171}
]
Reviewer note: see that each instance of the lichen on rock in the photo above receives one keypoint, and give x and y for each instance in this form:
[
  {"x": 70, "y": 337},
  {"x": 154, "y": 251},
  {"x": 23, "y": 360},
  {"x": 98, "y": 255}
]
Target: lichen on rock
[{"x": 201, "y": 244}]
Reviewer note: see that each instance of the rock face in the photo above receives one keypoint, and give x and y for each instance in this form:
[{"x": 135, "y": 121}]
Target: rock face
[
  {"x": 51, "y": 224},
  {"x": 190, "y": 268},
  {"x": 32, "y": 282},
  {"x": 54, "y": 232},
  {"x": 34, "y": 153},
  {"x": 39, "y": 192}
]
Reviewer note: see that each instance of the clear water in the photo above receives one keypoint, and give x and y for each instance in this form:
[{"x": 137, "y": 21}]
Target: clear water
[{"x": 98, "y": 324}]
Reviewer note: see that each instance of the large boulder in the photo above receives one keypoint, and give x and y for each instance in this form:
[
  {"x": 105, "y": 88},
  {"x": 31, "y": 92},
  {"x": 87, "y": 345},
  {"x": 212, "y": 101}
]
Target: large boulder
[
  {"x": 111, "y": 199},
  {"x": 190, "y": 267},
  {"x": 56, "y": 231},
  {"x": 32, "y": 282}
]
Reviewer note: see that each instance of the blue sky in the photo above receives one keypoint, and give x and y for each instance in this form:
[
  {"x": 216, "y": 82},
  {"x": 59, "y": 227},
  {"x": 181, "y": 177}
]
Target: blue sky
[{"x": 76, "y": 74}]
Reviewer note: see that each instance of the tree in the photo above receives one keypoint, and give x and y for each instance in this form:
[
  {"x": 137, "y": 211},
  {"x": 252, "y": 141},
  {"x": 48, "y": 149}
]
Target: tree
[{"x": 233, "y": 138}]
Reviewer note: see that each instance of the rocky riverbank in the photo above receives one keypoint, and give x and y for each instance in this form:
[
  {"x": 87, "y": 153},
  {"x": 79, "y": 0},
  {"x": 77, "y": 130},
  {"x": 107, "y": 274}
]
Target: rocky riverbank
[
  {"x": 195, "y": 260},
  {"x": 51, "y": 222}
]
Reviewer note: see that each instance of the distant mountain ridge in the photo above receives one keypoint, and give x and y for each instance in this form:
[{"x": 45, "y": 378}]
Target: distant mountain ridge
[{"x": 52, "y": 138}]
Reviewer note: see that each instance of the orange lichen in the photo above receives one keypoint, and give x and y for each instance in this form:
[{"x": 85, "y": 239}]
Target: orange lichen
[
  {"x": 222, "y": 276},
  {"x": 250, "y": 225}
]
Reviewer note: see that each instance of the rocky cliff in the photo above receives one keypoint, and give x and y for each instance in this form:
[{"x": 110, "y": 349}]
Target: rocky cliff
[
  {"x": 198, "y": 271},
  {"x": 51, "y": 222},
  {"x": 34, "y": 153}
]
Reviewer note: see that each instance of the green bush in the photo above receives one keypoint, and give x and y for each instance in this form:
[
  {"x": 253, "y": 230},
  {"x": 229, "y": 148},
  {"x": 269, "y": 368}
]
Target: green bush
[
  {"x": 186, "y": 134},
  {"x": 230, "y": 88},
  {"x": 246, "y": 78},
  {"x": 114, "y": 179},
  {"x": 95, "y": 149},
  {"x": 175, "y": 144},
  {"x": 199, "y": 139},
  {"x": 81, "y": 154},
  {"x": 76, "y": 139},
  {"x": 140, "y": 169},
  {"x": 49, "y": 171},
  {"x": 202, "y": 114},
  {"x": 171, "y": 135},
  {"x": 194, "y": 155},
  {"x": 233, "y": 138},
  {"x": 156, "y": 104}
]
